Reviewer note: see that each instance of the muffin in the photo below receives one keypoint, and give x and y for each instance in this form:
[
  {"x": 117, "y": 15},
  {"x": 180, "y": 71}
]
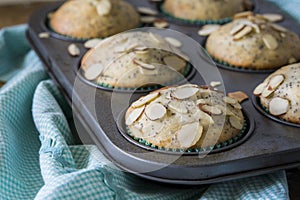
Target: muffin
[
  {"x": 253, "y": 42},
  {"x": 133, "y": 60},
  {"x": 280, "y": 93},
  {"x": 185, "y": 117},
  {"x": 203, "y": 9},
  {"x": 93, "y": 18}
]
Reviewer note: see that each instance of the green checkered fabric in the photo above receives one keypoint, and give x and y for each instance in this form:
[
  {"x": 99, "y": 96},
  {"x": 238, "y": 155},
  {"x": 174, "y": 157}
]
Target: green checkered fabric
[{"x": 38, "y": 157}]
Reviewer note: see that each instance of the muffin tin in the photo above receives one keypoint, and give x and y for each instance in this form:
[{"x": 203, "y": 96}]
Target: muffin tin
[
  {"x": 270, "y": 145},
  {"x": 174, "y": 19}
]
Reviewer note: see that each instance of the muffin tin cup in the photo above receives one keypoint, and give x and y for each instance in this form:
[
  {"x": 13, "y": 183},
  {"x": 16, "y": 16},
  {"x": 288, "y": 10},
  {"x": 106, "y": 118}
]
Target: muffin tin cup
[
  {"x": 172, "y": 18},
  {"x": 46, "y": 25},
  {"x": 271, "y": 146},
  {"x": 188, "y": 75},
  {"x": 244, "y": 134},
  {"x": 182, "y": 21},
  {"x": 264, "y": 111},
  {"x": 227, "y": 66},
  {"x": 47, "y": 28}
]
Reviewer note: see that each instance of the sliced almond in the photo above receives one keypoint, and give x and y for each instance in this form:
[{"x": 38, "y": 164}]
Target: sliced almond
[
  {"x": 155, "y": 111},
  {"x": 144, "y": 100},
  {"x": 236, "y": 122},
  {"x": 93, "y": 71},
  {"x": 73, "y": 50},
  {"x": 278, "y": 106},
  {"x": 177, "y": 106},
  {"x": 275, "y": 81},
  {"x": 273, "y": 17},
  {"x": 279, "y": 28},
  {"x": 259, "y": 89},
  {"x": 154, "y": 37},
  {"x": 272, "y": 85},
  {"x": 184, "y": 92},
  {"x": 173, "y": 41},
  {"x": 208, "y": 29},
  {"x": 160, "y": 23},
  {"x": 189, "y": 134},
  {"x": 148, "y": 19},
  {"x": 134, "y": 115},
  {"x": 257, "y": 20},
  {"x": 215, "y": 83},
  {"x": 44, "y": 35},
  {"x": 125, "y": 48},
  {"x": 148, "y": 72},
  {"x": 236, "y": 29},
  {"x": 256, "y": 28},
  {"x": 292, "y": 60},
  {"x": 237, "y": 106},
  {"x": 146, "y": 11},
  {"x": 239, "y": 96},
  {"x": 283, "y": 35},
  {"x": 243, "y": 15},
  {"x": 246, "y": 22},
  {"x": 225, "y": 110},
  {"x": 103, "y": 7},
  {"x": 229, "y": 100},
  {"x": 202, "y": 101},
  {"x": 175, "y": 62},
  {"x": 245, "y": 31},
  {"x": 92, "y": 43},
  {"x": 211, "y": 110},
  {"x": 141, "y": 48},
  {"x": 270, "y": 41},
  {"x": 205, "y": 119},
  {"x": 267, "y": 92},
  {"x": 144, "y": 65},
  {"x": 141, "y": 52}
]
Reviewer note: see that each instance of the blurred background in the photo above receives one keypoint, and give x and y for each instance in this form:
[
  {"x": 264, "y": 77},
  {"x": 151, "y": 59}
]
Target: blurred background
[{"x": 14, "y": 12}]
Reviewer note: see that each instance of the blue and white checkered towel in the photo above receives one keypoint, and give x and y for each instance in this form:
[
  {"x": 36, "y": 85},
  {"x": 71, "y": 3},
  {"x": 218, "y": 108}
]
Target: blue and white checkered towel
[{"x": 38, "y": 158}]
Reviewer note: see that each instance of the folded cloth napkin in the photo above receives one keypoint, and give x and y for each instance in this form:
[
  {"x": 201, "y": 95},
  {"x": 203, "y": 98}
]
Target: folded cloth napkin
[{"x": 39, "y": 159}]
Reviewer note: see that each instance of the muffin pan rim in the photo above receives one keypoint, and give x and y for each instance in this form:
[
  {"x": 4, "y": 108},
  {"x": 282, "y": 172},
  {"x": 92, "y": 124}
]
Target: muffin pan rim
[
  {"x": 249, "y": 126},
  {"x": 256, "y": 102}
]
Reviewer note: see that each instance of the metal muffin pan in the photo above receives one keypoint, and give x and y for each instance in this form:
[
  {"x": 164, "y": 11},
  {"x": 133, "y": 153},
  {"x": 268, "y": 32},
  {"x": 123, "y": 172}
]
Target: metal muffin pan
[{"x": 271, "y": 146}]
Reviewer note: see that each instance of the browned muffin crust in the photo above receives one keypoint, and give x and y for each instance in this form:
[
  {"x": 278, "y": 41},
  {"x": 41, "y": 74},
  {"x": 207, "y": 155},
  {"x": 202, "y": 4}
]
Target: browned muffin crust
[
  {"x": 134, "y": 59},
  {"x": 92, "y": 19},
  {"x": 203, "y": 9},
  {"x": 254, "y": 43}
]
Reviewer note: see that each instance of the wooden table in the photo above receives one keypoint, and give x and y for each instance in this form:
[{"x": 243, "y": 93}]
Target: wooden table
[{"x": 17, "y": 14}]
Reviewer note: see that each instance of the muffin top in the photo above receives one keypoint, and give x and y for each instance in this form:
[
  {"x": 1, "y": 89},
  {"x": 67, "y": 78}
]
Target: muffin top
[
  {"x": 134, "y": 59},
  {"x": 280, "y": 93},
  {"x": 253, "y": 42},
  {"x": 186, "y": 116},
  {"x": 203, "y": 9},
  {"x": 93, "y": 18}
]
